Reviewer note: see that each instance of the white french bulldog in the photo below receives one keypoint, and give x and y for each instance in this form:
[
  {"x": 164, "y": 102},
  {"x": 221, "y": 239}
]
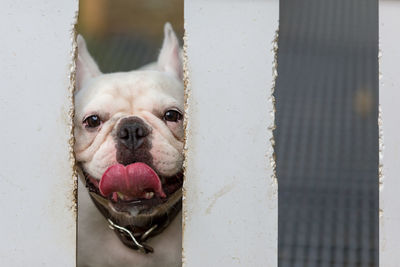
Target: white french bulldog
[{"x": 129, "y": 146}]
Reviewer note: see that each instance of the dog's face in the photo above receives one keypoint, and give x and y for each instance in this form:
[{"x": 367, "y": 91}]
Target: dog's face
[{"x": 129, "y": 134}]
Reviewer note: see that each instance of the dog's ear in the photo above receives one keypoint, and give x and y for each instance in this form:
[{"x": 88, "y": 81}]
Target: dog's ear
[
  {"x": 86, "y": 67},
  {"x": 170, "y": 58}
]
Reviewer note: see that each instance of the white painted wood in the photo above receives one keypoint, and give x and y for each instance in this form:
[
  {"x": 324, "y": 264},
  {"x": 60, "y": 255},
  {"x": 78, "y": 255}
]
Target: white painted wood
[
  {"x": 389, "y": 26},
  {"x": 230, "y": 207},
  {"x": 36, "y": 184}
]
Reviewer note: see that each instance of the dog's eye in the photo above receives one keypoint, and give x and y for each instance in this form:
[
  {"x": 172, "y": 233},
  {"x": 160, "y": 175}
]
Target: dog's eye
[
  {"x": 92, "y": 121},
  {"x": 172, "y": 115}
]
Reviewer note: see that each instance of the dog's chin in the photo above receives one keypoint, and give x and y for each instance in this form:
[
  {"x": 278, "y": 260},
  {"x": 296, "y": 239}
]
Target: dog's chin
[{"x": 140, "y": 212}]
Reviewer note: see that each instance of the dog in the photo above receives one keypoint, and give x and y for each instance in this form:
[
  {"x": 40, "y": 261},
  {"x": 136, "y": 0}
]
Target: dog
[{"x": 129, "y": 140}]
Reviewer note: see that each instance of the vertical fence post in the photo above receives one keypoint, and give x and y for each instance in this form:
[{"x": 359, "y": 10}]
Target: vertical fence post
[
  {"x": 36, "y": 178},
  {"x": 389, "y": 95},
  {"x": 230, "y": 205}
]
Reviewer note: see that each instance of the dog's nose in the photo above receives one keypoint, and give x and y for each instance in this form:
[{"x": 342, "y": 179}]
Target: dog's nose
[{"x": 132, "y": 133}]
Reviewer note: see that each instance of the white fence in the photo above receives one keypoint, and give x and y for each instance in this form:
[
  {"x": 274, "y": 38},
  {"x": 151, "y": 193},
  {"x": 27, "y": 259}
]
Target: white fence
[
  {"x": 230, "y": 208},
  {"x": 36, "y": 177},
  {"x": 230, "y": 205},
  {"x": 389, "y": 94}
]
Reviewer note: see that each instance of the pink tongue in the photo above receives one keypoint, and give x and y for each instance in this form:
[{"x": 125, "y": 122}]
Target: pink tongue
[{"x": 133, "y": 180}]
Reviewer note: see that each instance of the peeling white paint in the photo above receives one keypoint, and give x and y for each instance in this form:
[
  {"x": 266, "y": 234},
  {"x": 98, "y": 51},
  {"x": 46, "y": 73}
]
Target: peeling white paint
[
  {"x": 389, "y": 95},
  {"x": 36, "y": 177},
  {"x": 230, "y": 204}
]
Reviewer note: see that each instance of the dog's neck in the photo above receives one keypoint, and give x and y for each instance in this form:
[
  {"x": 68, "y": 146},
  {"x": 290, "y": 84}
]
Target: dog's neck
[{"x": 134, "y": 236}]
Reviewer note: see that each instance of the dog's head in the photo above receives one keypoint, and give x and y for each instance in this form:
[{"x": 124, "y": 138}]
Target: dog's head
[{"x": 129, "y": 134}]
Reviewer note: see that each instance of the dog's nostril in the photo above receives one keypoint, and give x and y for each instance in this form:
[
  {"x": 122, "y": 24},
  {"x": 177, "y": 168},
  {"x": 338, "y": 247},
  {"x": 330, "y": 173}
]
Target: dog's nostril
[
  {"x": 140, "y": 132},
  {"x": 124, "y": 134}
]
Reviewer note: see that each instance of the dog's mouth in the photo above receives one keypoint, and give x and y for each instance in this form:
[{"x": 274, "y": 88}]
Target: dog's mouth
[
  {"x": 136, "y": 200},
  {"x": 134, "y": 185}
]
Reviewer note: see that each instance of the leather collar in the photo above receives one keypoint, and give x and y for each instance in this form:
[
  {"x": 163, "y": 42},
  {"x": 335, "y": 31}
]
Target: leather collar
[{"x": 134, "y": 236}]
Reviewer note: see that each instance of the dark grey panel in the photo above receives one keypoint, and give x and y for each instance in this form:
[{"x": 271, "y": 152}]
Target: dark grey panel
[{"x": 327, "y": 133}]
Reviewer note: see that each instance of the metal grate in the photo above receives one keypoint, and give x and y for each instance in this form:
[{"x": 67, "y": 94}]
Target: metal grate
[{"x": 327, "y": 133}]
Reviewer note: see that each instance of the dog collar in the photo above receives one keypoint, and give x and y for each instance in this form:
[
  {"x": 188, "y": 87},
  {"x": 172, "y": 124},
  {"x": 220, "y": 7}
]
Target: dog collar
[
  {"x": 133, "y": 236},
  {"x": 125, "y": 233}
]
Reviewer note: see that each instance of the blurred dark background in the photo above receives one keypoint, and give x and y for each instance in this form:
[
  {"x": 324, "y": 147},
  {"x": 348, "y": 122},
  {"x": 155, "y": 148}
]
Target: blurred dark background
[
  {"x": 327, "y": 133},
  {"x": 123, "y": 35}
]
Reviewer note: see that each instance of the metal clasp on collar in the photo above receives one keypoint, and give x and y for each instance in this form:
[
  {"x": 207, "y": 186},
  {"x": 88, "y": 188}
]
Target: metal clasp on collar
[{"x": 141, "y": 247}]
